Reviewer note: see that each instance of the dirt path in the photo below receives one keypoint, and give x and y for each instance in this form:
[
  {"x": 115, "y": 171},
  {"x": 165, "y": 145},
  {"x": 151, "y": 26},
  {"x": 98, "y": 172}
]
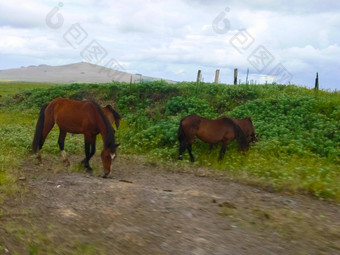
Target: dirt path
[{"x": 147, "y": 209}]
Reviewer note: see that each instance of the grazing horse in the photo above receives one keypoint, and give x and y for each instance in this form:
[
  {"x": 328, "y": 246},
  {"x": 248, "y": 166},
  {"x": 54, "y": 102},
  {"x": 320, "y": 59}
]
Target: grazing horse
[
  {"x": 112, "y": 115},
  {"x": 209, "y": 131},
  {"x": 76, "y": 117}
]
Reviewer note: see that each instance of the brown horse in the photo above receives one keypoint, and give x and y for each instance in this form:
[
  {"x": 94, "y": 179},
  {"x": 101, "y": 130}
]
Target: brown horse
[
  {"x": 209, "y": 131},
  {"x": 112, "y": 115},
  {"x": 76, "y": 117}
]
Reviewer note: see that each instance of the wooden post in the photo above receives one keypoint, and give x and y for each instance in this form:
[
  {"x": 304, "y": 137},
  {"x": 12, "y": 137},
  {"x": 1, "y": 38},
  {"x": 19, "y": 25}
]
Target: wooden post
[
  {"x": 316, "y": 88},
  {"x": 217, "y": 74},
  {"x": 198, "y": 76},
  {"x": 247, "y": 76},
  {"x": 235, "y": 76}
]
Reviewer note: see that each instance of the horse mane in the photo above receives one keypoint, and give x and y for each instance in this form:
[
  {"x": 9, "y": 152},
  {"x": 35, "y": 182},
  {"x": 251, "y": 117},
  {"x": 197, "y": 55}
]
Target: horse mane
[
  {"x": 114, "y": 113},
  {"x": 240, "y": 136},
  {"x": 110, "y": 137}
]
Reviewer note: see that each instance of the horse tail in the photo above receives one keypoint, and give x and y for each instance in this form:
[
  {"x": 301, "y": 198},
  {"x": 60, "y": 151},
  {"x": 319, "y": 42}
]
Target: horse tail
[
  {"x": 239, "y": 134},
  {"x": 39, "y": 129},
  {"x": 183, "y": 143},
  {"x": 181, "y": 134}
]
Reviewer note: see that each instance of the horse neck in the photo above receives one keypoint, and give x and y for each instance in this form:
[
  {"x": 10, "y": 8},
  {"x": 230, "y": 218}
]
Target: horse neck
[
  {"x": 103, "y": 130},
  {"x": 108, "y": 134},
  {"x": 240, "y": 135}
]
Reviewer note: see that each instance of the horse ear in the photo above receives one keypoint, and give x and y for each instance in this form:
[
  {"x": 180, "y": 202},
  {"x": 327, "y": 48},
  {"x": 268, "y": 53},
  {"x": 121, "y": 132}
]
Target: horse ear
[{"x": 117, "y": 144}]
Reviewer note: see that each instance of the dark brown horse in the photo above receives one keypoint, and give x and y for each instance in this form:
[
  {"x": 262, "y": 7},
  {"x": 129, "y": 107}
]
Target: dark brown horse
[
  {"x": 76, "y": 117},
  {"x": 209, "y": 131},
  {"x": 112, "y": 115}
]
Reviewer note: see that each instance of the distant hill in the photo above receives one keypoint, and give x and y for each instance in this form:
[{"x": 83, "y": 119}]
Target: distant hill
[{"x": 72, "y": 73}]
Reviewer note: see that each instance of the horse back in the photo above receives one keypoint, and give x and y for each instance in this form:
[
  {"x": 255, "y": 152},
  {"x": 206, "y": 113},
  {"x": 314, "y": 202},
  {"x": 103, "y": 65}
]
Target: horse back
[
  {"x": 218, "y": 130},
  {"x": 75, "y": 116},
  {"x": 209, "y": 131}
]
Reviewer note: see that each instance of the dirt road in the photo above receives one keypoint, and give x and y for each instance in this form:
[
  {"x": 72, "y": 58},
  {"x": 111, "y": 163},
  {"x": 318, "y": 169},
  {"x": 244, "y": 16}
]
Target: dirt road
[{"x": 149, "y": 208}]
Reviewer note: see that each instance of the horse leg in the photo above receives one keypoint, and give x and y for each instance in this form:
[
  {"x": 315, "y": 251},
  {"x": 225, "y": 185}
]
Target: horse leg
[
  {"x": 182, "y": 147},
  {"x": 61, "y": 142},
  {"x": 190, "y": 141},
  {"x": 93, "y": 148},
  {"x": 186, "y": 139},
  {"x": 190, "y": 153},
  {"x": 222, "y": 151},
  {"x": 90, "y": 141},
  {"x": 92, "y": 151},
  {"x": 225, "y": 142},
  {"x": 87, "y": 157}
]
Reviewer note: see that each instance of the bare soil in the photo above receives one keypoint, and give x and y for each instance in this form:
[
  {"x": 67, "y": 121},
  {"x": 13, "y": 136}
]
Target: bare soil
[{"x": 153, "y": 208}]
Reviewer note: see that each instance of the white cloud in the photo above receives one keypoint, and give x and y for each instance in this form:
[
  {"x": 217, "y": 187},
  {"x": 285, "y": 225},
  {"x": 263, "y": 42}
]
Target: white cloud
[{"x": 172, "y": 39}]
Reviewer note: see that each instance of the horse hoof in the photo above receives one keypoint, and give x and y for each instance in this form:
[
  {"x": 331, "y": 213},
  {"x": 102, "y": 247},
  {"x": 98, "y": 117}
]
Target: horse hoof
[
  {"x": 180, "y": 158},
  {"x": 104, "y": 176},
  {"x": 192, "y": 160}
]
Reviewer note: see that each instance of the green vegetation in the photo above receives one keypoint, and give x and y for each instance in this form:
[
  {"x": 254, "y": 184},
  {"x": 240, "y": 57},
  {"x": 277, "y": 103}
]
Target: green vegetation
[
  {"x": 299, "y": 138},
  {"x": 31, "y": 239},
  {"x": 10, "y": 88}
]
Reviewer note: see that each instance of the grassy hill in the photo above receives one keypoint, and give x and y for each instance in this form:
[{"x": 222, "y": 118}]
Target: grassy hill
[{"x": 299, "y": 138}]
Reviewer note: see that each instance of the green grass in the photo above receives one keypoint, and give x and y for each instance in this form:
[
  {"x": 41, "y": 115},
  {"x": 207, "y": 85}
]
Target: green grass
[
  {"x": 32, "y": 240},
  {"x": 11, "y": 88},
  {"x": 16, "y": 134},
  {"x": 299, "y": 138},
  {"x": 14, "y": 140}
]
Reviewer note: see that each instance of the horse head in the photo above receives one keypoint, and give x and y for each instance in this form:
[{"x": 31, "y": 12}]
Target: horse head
[
  {"x": 108, "y": 155},
  {"x": 253, "y": 136}
]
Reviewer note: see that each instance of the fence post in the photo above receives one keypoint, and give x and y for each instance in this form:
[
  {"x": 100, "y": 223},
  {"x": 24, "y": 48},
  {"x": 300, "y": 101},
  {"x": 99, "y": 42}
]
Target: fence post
[
  {"x": 235, "y": 76},
  {"x": 217, "y": 74},
  {"x": 247, "y": 76},
  {"x": 198, "y": 77},
  {"x": 316, "y": 88}
]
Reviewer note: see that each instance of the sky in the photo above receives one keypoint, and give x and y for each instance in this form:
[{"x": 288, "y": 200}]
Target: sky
[{"x": 282, "y": 41}]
